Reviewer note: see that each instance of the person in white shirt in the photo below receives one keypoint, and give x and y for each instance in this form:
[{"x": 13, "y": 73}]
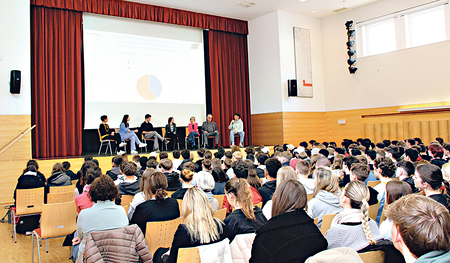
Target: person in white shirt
[
  {"x": 303, "y": 168},
  {"x": 237, "y": 127}
]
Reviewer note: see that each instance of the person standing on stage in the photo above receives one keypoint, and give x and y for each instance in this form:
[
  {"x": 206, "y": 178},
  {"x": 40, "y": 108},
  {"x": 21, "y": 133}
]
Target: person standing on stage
[
  {"x": 209, "y": 128},
  {"x": 237, "y": 127},
  {"x": 126, "y": 133},
  {"x": 109, "y": 134},
  {"x": 147, "y": 130},
  {"x": 193, "y": 131}
]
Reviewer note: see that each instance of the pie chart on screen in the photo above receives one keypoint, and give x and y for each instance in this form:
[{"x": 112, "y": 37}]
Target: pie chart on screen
[{"x": 149, "y": 87}]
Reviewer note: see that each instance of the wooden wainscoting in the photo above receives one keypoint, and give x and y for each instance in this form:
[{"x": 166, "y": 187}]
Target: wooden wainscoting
[
  {"x": 267, "y": 128},
  {"x": 304, "y": 126}
]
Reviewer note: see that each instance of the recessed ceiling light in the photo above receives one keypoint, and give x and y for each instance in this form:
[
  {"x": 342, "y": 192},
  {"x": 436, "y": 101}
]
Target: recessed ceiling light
[
  {"x": 302, "y": 0},
  {"x": 313, "y": 11}
]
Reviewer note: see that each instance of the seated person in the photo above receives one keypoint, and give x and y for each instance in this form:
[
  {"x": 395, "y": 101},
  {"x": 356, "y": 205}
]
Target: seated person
[
  {"x": 139, "y": 198},
  {"x": 83, "y": 201},
  {"x": 115, "y": 170},
  {"x": 220, "y": 180},
  {"x": 353, "y": 227},
  {"x": 81, "y": 183},
  {"x": 267, "y": 190},
  {"x": 405, "y": 172},
  {"x": 103, "y": 215},
  {"x": 128, "y": 183},
  {"x": 176, "y": 159},
  {"x": 237, "y": 127},
  {"x": 360, "y": 172},
  {"x": 31, "y": 178},
  {"x": 199, "y": 226},
  {"x": 246, "y": 218},
  {"x": 173, "y": 178},
  {"x": 109, "y": 134},
  {"x": 171, "y": 133},
  {"x": 186, "y": 177},
  {"x": 205, "y": 182},
  {"x": 209, "y": 128},
  {"x": 302, "y": 168},
  {"x": 149, "y": 132},
  {"x": 58, "y": 177},
  {"x": 70, "y": 173},
  {"x": 157, "y": 206},
  {"x": 421, "y": 229},
  {"x": 126, "y": 133},
  {"x": 429, "y": 179},
  {"x": 290, "y": 235},
  {"x": 193, "y": 132}
]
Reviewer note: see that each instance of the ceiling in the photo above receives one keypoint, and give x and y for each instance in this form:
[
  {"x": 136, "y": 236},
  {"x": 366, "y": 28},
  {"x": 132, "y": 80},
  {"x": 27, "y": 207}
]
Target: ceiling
[{"x": 231, "y": 8}]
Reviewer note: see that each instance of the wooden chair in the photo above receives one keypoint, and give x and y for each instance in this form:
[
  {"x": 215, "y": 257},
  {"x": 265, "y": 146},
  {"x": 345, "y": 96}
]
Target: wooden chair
[
  {"x": 310, "y": 196},
  {"x": 107, "y": 143},
  {"x": 316, "y": 221},
  {"x": 188, "y": 255},
  {"x": 74, "y": 182},
  {"x": 57, "y": 220},
  {"x": 187, "y": 137},
  {"x": 221, "y": 214},
  {"x": 180, "y": 206},
  {"x": 205, "y": 142},
  {"x": 326, "y": 223},
  {"x": 160, "y": 234},
  {"x": 383, "y": 215},
  {"x": 169, "y": 193},
  {"x": 220, "y": 199},
  {"x": 28, "y": 202},
  {"x": 126, "y": 199},
  {"x": 373, "y": 211},
  {"x": 372, "y": 256},
  {"x": 164, "y": 135},
  {"x": 54, "y": 198},
  {"x": 62, "y": 189},
  {"x": 373, "y": 183},
  {"x": 259, "y": 205}
]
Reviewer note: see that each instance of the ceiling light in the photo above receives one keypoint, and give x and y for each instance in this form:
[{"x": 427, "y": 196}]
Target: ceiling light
[
  {"x": 302, "y": 0},
  {"x": 313, "y": 11}
]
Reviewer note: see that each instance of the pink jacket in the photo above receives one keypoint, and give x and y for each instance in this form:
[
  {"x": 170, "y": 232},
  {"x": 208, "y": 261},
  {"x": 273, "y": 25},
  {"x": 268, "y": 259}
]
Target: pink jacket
[{"x": 195, "y": 129}]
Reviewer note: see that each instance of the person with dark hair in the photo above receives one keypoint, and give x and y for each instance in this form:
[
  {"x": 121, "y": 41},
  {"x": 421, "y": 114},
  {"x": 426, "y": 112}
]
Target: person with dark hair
[
  {"x": 290, "y": 235},
  {"x": 83, "y": 201},
  {"x": 218, "y": 155},
  {"x": 103, "y": 215},
  {"x": 384, "y": 169},
  {"x": 348, "y": 162},
  {"x": 386, "y": 142},
  {"x": 409, "y": 142},
  {"x": 192, "y": 131},
  {"x": 221, "y": 179},
  {"x": 70, "y": 173},
  {"x": 270, "y": 173},
  {"x": 31, "y": 178},
  {"x": 380, "y": 145},
  {"x": 58, "y": 177},
  {"x": 109, "y": 134},
  {"x": 126, "y": 133},
  {"x": 246, "y": 218},
  {"x": 239, "y": 169},
  {"x": 198, "y": 163},
  {"x": 173, "y": 178},
  {"x": 128, "y": 184},
  {"x": 405, "y": 172},
  {"x": 237, "y": 127},
  {"x": 149, "y": 132},
  {"x": 421, "y": 229},
  {"x": 176, "y": 159},
  {"x": 261, "y": 158},
  {"x": 186, "y": 154},
  {"x": 81, "y": 183},
  {"x": 115, "y": 170},
  {"x": 418, "y": 140},
  {"x": 157, "y": 206},
  {"x": 171, "y": 133},
  {"x": 360, "y": 172},
  {"x": 436, "y": 151},
  {"x": 412, "y": 155},
  {"x": 209, "y": 128},
  {"x": 393, "y": 152},
  {"x": 428, "y": 179}
]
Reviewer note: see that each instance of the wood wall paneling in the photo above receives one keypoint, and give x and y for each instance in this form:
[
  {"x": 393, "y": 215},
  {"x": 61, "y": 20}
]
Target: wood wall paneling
[{"x": 267, "y": 128}]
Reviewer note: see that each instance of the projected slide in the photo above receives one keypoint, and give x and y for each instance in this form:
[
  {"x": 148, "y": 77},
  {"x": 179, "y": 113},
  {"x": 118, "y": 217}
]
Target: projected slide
[{"x": 138, "y": 74}]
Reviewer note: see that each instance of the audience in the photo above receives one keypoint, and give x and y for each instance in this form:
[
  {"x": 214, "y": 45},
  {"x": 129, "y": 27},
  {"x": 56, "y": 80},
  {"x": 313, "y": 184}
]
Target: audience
[
  {"x": 436, "y": 151},
  {"x": 139, "y": 198},
  {"x": 421, "y": 229},
  {"x": 83, "y": 200},
  {"x": 186, "y": 177},
  {"x": 115, "y": 170},
  {"x": 326, "y": 195},
  {"x": 290, "y": 235},
  {"x": 360, "y": 172},
  {"x": 173, "y": 178},
  {"x": 302, "y": 169},
  {"x": 245, "y": 218},
  {"x": 128, "y": 184},
  {"x": 220, "y": 180},
  {"x": 267, "y": 190},
  {"x": 58, "y": 177},
  {"x": 205, "y": 182},
  {"x": 429, "y": 179},
  {"x": 81, "y": 183},
  {"x": 352, "y": 227},
  {"x": 157, "y": 206},
  {"x": 31, "y": 178},
  {"x": 70, "y": 173},
  {"x": 405, "y": 172},
  {"x": 384, "y": 169}
]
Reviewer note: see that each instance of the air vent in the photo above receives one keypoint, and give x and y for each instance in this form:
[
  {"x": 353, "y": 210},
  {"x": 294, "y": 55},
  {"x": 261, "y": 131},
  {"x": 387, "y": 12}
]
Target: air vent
[
  {"x": 246, "y": 4},
  {"x": 340, "y": 9}
]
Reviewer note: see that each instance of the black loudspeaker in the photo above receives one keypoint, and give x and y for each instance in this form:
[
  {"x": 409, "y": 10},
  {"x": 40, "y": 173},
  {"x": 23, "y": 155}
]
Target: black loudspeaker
[
  {"x": 292, "y": 87},
  {"x": 14, "y": 84}
]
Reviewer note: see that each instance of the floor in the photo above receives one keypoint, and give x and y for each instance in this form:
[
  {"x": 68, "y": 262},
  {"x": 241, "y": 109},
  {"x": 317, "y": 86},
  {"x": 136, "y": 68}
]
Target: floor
[{"x": 21, "y": 251}]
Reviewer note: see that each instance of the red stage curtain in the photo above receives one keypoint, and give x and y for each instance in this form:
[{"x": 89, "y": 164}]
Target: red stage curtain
[
  {"x": 228, "y": 70},
  {"x": 56, "y": 82},
  {"x": 148, "y": 12}
]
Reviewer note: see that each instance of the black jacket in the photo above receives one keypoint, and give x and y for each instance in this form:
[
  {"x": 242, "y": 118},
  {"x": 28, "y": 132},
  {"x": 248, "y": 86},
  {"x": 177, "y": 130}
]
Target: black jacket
[
  {"x": 179, "y": 194},
  {"x": 260, "y": 172},
  {"x": 30, "y": 180},
  {"x": 113, "y": 173},
  {"x": 236, "y": 223},
  {"x": 180, "y": 167},
  {"x": 72, "y": 175},
  {"x": 373, "y": 196},
  {"x": 151, "y": 211},
  {"x": 289, "y": 237},
  {"x": 266, "y": 191},
  {"x": 126, "y": 188},
  {"x": 173, "y": 181}
]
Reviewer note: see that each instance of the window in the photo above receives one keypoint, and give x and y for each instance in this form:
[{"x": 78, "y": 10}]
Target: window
[
  {"x": 426, "y": 27},
  {"x": 378, "y": 37}
]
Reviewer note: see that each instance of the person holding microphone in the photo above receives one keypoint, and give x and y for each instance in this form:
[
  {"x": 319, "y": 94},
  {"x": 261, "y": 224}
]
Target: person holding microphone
[{"x": 237, "y": 127}]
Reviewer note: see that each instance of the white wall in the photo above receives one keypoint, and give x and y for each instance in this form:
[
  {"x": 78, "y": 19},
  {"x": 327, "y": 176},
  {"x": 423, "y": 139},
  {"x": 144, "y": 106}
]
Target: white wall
[
  {"x": 409, "y": 76},
  {"x": 15, "y": 50},
  {"x": 272, "y": 63}
]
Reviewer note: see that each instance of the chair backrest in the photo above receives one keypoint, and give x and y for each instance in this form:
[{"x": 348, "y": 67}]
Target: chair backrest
[
  {"x": 187, "y": 132},
  {"x": 62, "y": 189},
  {"x": 53, "y": 198},
  {"x": 169, "y": 193},
  {"x": 373, "y": 211},
  {"x": 160, "y": 234},
  {"x": 126, "y": 199},
  {"x": 219, "y": 199},
  {"x": 58, "y": 219},
  {"x": 74, "y": 182},
  {"x": 180, "y": 205},
  {"x": 383, "y": 215},
  {"x": 259, "y": 205},
  {"x": 221, "y": 214},
  {"x": 326, "y": 223},
  {"x": 310, "y": 196},
  {"x": 372, "y": 256},
  {"x": 316, "y": 221},
  {"x": 373, "y": 183},
  {"x": 190, "y": 254},
  {"x": 99, "y": 135},
  {"x": 163, "y": 131},
  {"x": 29, "y": 201}
]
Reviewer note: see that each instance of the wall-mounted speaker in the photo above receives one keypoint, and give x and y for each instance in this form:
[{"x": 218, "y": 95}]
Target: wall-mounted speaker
[
  {"x": 14, "y": 84},
  {"x": 292, "y": 87}
]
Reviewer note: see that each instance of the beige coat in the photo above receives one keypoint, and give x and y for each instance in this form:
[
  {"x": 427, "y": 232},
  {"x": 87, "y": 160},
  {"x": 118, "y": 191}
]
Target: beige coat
[
  {"x": 241, "y": 247},
  {"x": 118, "y": 245}
]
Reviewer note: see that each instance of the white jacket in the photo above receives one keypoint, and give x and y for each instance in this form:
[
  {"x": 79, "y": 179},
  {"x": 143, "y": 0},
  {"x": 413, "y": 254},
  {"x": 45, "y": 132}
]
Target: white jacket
[
  {"x": 219, "y": 252},
  {"x": 241, "y": 247}
]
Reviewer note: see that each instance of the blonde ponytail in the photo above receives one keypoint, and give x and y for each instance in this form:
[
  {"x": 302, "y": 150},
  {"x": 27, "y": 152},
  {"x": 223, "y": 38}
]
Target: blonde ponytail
[{"x": 365, "y": 221}]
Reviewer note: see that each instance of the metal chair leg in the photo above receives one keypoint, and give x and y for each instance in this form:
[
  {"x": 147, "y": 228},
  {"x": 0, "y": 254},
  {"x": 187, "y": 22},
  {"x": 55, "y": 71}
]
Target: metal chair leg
[
  {"x": 46, "y": 246},
  {"x": 100, "y": 149},
  {"x": 15, "y": 227},
  {"x": 38, "y": 247}
]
